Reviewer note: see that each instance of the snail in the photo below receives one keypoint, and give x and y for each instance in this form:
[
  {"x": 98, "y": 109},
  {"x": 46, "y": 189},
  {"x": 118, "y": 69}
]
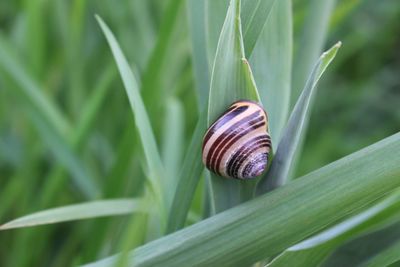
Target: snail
[{"x": 237, "y": 144}]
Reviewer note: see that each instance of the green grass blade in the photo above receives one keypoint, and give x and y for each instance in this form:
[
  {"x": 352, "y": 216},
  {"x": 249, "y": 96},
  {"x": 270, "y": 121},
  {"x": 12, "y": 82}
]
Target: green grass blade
[
  {"x": 260, "y": 228},
  {"x": 49, "y": 121},
  {"x": 81, "y": 211},
  {"x": 272, "y": 62},
  {"x": 365, "y": 247},
  {"x": 341, "y": 12},
  {"x": 282, "y": 163},
  {"x": 196, "y": 17},
  {"x": 137, "y": 231},
  {"x": 254, "y": 15},
  {"x": 63, "y": 152},
  {"x": 311, "y": 43},
  {"x": 92, "y": 106},
  {"x": 313, "y": 251},
  {"x": 142, "y": 122},
  {"x": 231, "y": 80},
  {"x": 153, "y": 89},
  {"x": 10, "y": 193},
  {"x": 188, "y": 178},
  {"x": 173, "y": 143},
  {"x": 387, "y": 257},
  {"x": 14, "y": 67},
  {"x": 57, "y": 177},
  {"x": 36, "y": 35},
  {"x": 215, "y": 13},
  {"x": 125, "y": 151}
]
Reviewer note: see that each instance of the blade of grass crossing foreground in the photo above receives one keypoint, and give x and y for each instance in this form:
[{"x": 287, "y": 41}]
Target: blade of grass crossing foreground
[
  {"x": 272, "y": 62},
  {"x": 140, "y": 229},
  {"x": 231, "y": 80},
  {"x": 78, "y": 212},
  {"x": 266, "y": 225},
  {"x": 142, "y": 122},
  {"x": 282, "y": 163}
]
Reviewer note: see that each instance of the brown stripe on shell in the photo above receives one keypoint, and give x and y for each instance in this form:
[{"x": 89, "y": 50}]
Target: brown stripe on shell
[
  {"x": 237, "y": 144},
  {"x": 228, "y": 133},
  {"x": 244, "y": 152},
  {"x": 231, "y": 142},
  {"x": 233, "y": 111}
]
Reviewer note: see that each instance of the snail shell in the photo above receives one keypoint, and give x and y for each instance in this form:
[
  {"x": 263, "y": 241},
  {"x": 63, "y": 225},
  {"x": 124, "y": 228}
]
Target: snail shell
[{"x": 237, "y": 145}]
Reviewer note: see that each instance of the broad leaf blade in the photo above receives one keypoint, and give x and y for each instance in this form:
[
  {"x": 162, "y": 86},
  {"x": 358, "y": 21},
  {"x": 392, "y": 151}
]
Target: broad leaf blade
[
  {"x": 215, "y": 12},
  {"x": 231, "y": 80},
  {"x": 81, "y": 211},
  {"x": 272, "y": 61},
  {"x": 255, "y": 14},
  {"x": 310, "y": 203},
  {"x": 282, "y": 163}
]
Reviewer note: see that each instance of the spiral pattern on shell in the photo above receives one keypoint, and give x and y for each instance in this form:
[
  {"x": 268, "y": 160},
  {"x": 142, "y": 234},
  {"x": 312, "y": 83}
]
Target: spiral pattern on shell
[{"x": 237, "y": 144}]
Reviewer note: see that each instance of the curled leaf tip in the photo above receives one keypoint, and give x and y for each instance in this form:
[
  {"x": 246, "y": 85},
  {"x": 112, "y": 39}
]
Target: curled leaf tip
[{"x": 333, "y": 49}]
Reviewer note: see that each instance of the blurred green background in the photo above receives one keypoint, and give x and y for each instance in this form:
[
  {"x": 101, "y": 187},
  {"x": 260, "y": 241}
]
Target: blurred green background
[{"x": 81, "y": 125}]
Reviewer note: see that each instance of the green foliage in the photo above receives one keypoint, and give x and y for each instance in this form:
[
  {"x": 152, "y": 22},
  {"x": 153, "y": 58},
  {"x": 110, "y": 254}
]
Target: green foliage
[
  {"x": 78, "y": 212},
  {"x": 338, "y": 193},
  {"x": 229, "y": 61},
  {"x": 272, "y": 66},
  {"x": 314, "y": 251},
  {"x": 278, "y": 173},
  {"x": 70, "y": 148}
]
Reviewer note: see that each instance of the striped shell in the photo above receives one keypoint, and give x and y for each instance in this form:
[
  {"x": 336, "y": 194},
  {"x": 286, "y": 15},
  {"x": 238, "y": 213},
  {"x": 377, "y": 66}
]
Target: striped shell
[{"x": 237, "y": 144}]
